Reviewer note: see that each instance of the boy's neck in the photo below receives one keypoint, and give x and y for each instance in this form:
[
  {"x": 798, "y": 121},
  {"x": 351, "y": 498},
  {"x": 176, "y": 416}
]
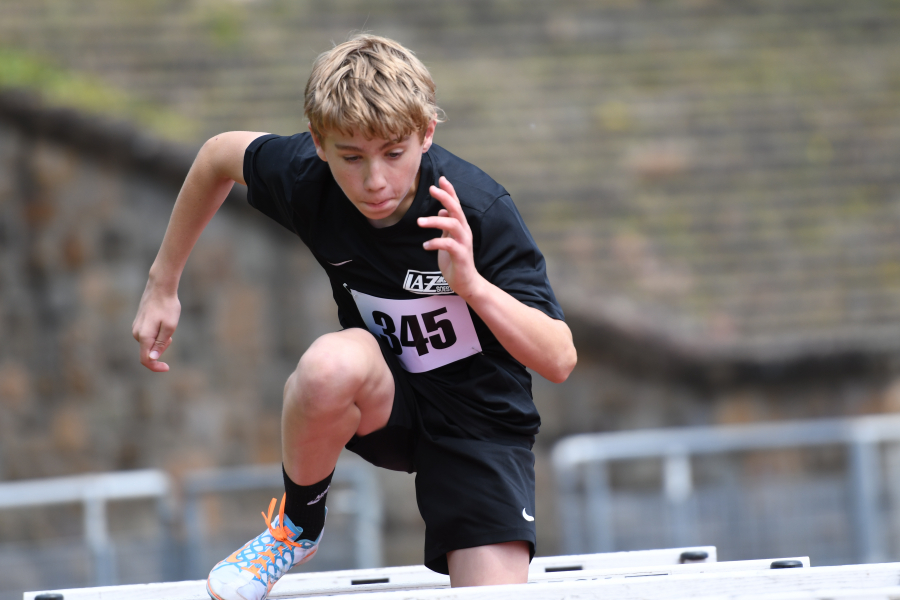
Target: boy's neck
[{"x": 397, "y": 215}]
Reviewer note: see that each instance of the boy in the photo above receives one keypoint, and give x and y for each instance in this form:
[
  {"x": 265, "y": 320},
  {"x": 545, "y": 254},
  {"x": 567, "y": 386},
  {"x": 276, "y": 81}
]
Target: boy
[{"x": 444, "y": 301}]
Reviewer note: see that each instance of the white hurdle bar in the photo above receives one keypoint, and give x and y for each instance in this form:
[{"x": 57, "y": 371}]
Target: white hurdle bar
[
  {"x": 856, "y": 580},
  {"x": 596, "y": 567},
  {"x": 332, "y": 584},
  {"x": 859, "y": 582},
  {"x": 407, "y": 577}
]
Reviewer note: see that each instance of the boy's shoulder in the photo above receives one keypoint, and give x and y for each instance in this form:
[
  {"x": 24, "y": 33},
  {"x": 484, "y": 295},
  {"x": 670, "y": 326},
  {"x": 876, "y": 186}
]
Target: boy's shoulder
[
  {"x": 476, "y": 189},
  {"x": 294, "y": 155}
]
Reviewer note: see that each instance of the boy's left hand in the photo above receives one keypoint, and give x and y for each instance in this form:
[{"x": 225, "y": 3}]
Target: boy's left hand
[{"x": 455, "y": 255}]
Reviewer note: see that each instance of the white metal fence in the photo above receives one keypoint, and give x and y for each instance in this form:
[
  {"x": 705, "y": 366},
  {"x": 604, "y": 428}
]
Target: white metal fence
[
  {"x": 845, "y": 511},
  {"x": 180, "y": 541}
]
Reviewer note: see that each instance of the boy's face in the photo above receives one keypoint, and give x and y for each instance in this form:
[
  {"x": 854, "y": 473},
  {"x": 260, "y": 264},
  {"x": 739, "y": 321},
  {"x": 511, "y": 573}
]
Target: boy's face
[{"x": 379, "y": 176}]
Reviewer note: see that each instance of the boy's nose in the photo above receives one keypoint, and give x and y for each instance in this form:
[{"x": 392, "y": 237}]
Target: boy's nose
[{"x": 375, "y": 179}]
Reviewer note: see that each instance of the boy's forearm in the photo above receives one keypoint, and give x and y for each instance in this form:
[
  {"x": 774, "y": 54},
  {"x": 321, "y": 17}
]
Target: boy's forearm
[
  {"x": 538, "y": 341},
  {"x": 199, "y": 199}
]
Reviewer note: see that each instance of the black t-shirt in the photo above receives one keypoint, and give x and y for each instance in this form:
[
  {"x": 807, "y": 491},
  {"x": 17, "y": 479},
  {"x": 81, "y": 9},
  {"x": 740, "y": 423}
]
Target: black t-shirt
[{"x": 486, "y": 393}]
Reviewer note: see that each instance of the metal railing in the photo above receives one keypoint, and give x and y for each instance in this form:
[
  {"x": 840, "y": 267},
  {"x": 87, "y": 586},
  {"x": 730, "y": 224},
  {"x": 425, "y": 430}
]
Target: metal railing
[
  {"x": 582, "y": 466},
  {"x": 94, "y": 491},
  {"x": 355, "y": 492}
]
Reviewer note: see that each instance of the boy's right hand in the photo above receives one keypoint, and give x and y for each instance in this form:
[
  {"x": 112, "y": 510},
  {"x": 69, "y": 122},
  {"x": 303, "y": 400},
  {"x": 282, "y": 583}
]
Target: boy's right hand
[{"x": 156, "y": 320}]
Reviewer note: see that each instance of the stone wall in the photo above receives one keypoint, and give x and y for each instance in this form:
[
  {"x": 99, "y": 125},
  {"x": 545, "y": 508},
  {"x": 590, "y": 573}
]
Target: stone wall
[{"x": 78, "y": 237}]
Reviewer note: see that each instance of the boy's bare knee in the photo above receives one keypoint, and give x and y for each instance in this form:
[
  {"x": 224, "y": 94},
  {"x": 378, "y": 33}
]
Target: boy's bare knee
[{"x": 328, "y": 375}]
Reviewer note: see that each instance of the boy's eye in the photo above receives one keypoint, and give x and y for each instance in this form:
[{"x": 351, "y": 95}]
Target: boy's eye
[
  {"x": 395, "y": 153},
  {"x": 351, "y": 158}
]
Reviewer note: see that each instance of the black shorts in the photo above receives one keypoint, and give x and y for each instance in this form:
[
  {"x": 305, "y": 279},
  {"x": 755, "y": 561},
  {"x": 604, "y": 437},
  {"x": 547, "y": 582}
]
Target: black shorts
[{"x": 470, "y": 492}]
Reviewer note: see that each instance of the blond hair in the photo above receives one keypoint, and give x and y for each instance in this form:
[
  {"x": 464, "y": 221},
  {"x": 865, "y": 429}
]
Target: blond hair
[{"x": 372, "y": 85}]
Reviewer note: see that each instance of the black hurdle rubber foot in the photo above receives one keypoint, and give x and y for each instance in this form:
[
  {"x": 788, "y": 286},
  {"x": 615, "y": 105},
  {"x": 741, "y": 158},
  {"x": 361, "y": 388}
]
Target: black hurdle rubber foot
[
  {"x": 781, "y": 564},
  {"x": 53, "y": 596},
  {"x": 693, "y": 556}
]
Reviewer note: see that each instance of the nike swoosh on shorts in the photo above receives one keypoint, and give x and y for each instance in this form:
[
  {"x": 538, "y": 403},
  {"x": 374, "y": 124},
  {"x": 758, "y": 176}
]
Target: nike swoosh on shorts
[
  {"x": 340, "y": 263},
  {"x": 526, "y": 516}
]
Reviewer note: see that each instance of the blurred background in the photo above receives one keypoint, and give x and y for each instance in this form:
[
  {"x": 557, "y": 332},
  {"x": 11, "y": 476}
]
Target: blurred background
[{"x": 715, "y": 185}]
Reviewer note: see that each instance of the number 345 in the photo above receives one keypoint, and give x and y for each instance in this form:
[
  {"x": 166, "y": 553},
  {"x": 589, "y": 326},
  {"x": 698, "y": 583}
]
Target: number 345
[{"x": 411, "y": 333}]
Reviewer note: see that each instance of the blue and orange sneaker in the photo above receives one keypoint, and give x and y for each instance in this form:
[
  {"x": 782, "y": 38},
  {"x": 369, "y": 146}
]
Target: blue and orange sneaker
[{"x": 252, "y": 570}]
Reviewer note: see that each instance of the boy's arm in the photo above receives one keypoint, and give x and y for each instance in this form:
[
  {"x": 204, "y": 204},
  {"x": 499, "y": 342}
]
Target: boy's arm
[
  {"x": 536, "y": 340},
  {"x": 218, "y": 165}
]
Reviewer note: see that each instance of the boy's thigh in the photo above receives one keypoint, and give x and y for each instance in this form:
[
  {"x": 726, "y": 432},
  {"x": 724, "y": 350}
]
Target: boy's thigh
[{"x": 473, "y": 493}]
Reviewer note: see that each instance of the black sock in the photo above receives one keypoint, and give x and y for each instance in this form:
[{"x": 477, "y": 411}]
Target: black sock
[{"x": 305, "y": 505}]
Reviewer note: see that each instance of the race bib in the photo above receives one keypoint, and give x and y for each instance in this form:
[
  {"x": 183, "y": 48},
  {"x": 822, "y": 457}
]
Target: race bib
[{"x": 424, "y": 333}]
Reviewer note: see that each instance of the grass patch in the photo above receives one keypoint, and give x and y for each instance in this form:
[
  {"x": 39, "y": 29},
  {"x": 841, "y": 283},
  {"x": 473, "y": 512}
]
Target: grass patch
[{"x": 61, "y": 87}]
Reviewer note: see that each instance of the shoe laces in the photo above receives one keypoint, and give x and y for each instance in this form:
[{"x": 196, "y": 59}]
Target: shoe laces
[{"x": 281, "y": 532}]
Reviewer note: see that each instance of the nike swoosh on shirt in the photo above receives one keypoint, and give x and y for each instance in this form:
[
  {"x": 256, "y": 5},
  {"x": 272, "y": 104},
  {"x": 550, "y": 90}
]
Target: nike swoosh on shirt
[
  {"x": 526, "y": 516},
  {"x": 340, "y": 263}
]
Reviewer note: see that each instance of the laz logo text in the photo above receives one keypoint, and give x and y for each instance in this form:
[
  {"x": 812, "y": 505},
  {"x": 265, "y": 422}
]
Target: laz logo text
[{"x": 426, "y": 282}]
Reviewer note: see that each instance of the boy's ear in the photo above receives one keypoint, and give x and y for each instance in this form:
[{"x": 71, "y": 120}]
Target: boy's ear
[
  {"x": 428, "y": 136},
  {"x": 319, "y": 150}
]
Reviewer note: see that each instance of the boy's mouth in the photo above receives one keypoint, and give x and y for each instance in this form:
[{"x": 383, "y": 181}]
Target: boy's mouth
[{"x": 378, "y": 205}]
